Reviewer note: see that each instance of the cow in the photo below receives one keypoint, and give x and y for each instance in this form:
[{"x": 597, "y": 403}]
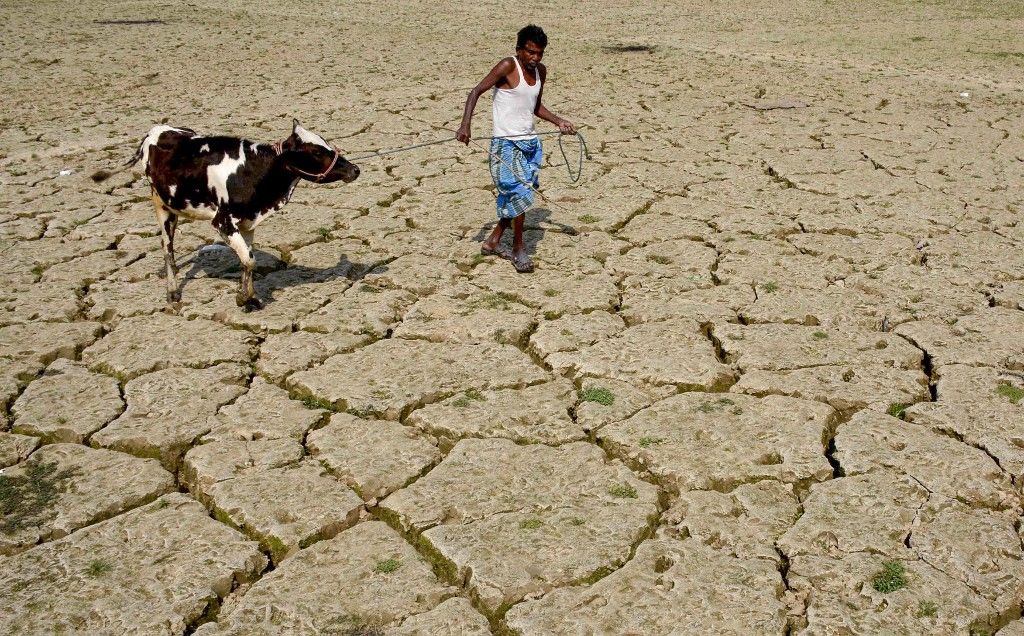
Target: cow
[{"x": 233, "y": 183}]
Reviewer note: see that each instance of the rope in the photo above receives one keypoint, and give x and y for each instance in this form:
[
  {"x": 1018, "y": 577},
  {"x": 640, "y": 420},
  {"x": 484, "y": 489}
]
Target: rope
[{"x": 573, "y": 178}]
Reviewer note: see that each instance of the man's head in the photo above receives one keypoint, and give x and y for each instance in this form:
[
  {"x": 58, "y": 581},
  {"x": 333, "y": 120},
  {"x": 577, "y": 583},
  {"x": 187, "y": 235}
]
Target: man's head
[{"x": 530, "y": 43}]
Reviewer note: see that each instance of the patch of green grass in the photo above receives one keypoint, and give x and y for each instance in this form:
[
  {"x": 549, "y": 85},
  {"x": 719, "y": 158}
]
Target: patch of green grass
[
  {"x": 27, "y": 498},
  {"x": 622, "y": 491},
  {"x": 896, "y": 409},
  {"x": 587, "y": 218},
  {"x": 551, "y": 315},
  {"x": 530, "y": 524},
  {"x": 324, "y": 232},
  {"x": 387, "y": 566},
  {"x": 577, "y": 521},
  {"x": 770, "y": 287},
  {"x": 918, "y": 38},
  {"x": 708, "y": 406},
  {"x": 468, "y": 397},
  {"x": 98, "y": 567},
  {"x": 497, "y": 300},
  {"x": 659, "y": 259},
  {"x": 37, "y": 270},
  {"x": 1010, "y": 392},
  {"x": 892, "y": 577},
  {"x": 927, "y": 609},
  {"x": 646, "y": 442},
  {"x": 551, "y": 293},
  {"x": 1003, "y": 55},
  {"x": 598, "y": 394},
  {"x": 313, "y": 402},
  {"x": 820, "y": 335}
]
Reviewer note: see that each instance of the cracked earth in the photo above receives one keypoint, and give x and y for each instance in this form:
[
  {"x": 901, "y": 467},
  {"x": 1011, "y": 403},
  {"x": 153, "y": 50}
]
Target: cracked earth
[{"x": 768, "y": 377}]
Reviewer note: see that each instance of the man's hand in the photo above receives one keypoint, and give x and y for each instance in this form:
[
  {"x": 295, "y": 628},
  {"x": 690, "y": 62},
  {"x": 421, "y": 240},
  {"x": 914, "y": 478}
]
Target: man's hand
[
  {"x": 463, "y": 134},
  {"x": 566, "y": 127}
]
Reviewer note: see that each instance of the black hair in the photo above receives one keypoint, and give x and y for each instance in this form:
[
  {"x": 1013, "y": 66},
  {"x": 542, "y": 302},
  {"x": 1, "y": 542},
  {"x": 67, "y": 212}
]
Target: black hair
[{"x": 531, "y": 33}]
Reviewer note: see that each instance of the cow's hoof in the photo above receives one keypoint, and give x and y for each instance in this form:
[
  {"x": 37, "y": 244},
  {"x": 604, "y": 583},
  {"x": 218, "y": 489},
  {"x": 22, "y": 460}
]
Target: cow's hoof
[
  {"x": 173, "y": 297},
  {"x": 253, "y": 304}
]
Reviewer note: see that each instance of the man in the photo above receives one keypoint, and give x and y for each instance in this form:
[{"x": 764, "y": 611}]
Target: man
[{"x": 516, "y": 153}]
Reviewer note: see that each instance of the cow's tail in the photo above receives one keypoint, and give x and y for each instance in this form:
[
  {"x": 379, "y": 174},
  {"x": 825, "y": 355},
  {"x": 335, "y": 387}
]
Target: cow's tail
[{"x": 102, "y": 175}]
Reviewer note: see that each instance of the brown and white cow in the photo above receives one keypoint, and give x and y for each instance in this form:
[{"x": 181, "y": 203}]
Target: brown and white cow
[{"x": 233, "y": 183}]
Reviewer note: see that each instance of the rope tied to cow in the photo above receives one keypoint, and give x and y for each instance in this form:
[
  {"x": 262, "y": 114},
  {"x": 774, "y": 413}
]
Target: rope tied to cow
[{"x": 573, "y": 177}]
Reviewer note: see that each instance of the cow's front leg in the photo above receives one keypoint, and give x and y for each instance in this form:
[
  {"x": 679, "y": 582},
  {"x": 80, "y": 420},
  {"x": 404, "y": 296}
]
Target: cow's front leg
[
  {"x": 247, "y": 283},
  {"x": 228, "y": 229},
  {"x": 168, "y": 221}
]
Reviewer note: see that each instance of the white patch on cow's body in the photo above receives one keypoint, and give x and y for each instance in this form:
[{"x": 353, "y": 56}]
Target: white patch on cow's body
[
  {"x": 172, "y": 189},
  {"x": 217, "y": 175},
  {"x": 204, "y": 148},
  {"x": 151, "y": 139},
  {"x": 311, "y": 138},
  {"x": 197, "y": 214}
]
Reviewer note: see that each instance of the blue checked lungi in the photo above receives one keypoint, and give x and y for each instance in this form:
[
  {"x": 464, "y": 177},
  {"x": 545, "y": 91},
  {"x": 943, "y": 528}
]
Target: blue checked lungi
[{"x": 519, "y": 166}]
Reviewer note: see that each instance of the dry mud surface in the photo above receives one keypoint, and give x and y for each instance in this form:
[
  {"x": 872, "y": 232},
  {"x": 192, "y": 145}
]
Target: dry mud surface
[{"x": 768, "y": 377}]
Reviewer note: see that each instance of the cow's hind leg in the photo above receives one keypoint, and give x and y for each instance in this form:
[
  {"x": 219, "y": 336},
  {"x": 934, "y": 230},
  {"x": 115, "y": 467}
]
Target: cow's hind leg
[
  {"x": 168, "y": 221},
  {"x": 241, "y": 243}
]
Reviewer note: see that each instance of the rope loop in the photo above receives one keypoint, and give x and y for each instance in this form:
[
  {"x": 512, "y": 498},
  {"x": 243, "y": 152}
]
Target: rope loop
[{"x": 574, "y": 177}]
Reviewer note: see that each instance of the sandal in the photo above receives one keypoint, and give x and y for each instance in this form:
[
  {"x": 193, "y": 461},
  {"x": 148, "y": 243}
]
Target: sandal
[
  {"x": 497, "y": 251},
  {"x": 522, "y": 263}
]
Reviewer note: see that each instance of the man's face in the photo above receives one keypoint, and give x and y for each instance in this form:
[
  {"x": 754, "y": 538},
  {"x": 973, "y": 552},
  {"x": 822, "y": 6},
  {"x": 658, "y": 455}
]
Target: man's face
[{"x": 530, "y": 54}]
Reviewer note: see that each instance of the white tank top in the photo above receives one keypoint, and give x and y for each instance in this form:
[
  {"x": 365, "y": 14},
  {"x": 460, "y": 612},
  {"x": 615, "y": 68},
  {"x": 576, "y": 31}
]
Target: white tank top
[{"x": 513, "y": 108}]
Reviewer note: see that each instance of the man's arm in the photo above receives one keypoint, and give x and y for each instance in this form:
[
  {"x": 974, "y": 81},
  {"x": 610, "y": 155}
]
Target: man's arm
[
  {"x": 564, "y": 125},
  {"x": 497, "y": 74}
]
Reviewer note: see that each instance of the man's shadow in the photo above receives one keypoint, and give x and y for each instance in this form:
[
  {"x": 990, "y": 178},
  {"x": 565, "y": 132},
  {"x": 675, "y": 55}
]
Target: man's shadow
[
  {"x": 538, "y": 223},
  {"x": 220, "y": 262}
]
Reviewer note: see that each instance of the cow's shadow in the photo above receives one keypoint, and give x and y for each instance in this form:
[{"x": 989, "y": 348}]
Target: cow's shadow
[
  {"x": 538, "y": 223},
  {"x": 272, "y": 274}
]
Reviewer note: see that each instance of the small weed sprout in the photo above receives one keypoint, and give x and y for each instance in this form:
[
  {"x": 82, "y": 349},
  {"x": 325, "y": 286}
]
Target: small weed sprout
[
  {"x": 659, "y": 259},
  {"x": 324, "y": 232},
  {"x": 896, "y": 409},
  {"x": 467, "y": 398},
  {"x": 551, "y": 293},
  {"x": 719, "y": 404},
  {"x": 530, "y": 524},
  {"x": 598, "y": 394},
  {"x": 927, "y": 609},
  {"x": 587, "y": 218},
  {"x": 1010, "y": 392},
  {"x": 622, "y": 491},
  {"x": 892, "y": 577},
  {"x": 645, "y": 441},
  {"x": 98, "y": 567},
  {"x": 770, "y": 287},
  {"x": 387, "y": 566},
  {"x": 820, "y": 335},
  {"x": 314, "y": 403}
]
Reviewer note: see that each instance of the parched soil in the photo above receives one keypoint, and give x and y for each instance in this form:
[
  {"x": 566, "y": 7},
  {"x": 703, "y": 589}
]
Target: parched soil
[{"x": 767, "y": 378}]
